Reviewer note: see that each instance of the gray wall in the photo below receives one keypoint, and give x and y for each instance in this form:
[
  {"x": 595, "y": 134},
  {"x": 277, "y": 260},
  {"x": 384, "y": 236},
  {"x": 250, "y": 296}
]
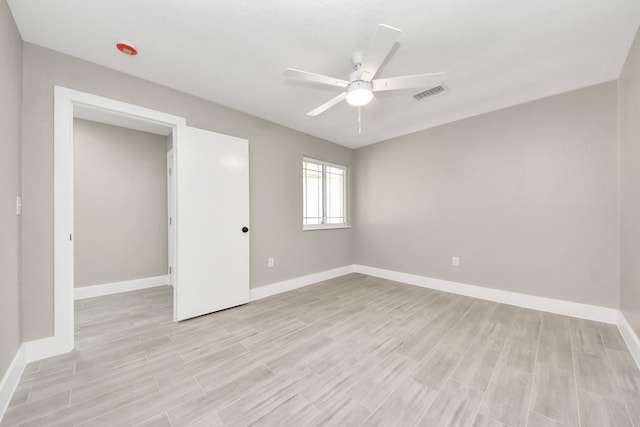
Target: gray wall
[
  {"x": 526, "y": 197},
  {"x": 275, "y": 177},
  {"x": 10, "y": 101},
  {"x": 120, "y": 204},
  {"x": 629, "y": 135}
]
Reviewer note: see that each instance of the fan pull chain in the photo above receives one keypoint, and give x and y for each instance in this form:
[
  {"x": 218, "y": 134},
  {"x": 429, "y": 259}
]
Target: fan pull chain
[{"x": 359, "y": 121}]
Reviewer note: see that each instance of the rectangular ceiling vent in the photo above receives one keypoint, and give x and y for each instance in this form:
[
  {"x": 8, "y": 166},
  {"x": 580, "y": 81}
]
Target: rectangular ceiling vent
[{"x": 430, "y": 93}]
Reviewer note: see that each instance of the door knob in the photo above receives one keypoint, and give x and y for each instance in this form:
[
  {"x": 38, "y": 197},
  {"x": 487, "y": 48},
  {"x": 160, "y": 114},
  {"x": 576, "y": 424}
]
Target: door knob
[{"x": 245, "y": 229}]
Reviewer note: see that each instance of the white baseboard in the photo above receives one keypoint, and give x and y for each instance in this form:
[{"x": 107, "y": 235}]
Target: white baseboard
[
  {"x": 11, "y": 379},
  {"x": 630, "y": 337},
  {"x": 118, "y": 287},
  {"x": 567, "y": 308},
  {"x": 298, "y": 282},
  {"x": 43, "y": 348}
]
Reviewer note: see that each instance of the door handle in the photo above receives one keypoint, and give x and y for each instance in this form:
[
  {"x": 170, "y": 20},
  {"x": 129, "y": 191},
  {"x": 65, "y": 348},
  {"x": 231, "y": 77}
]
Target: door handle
[{"x": 245, "y": 229}]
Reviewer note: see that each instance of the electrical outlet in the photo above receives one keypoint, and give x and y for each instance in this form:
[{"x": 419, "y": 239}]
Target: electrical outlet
[
  {"x": 18, "y": 205},
  {"x": 270, "y": 263},
  {"x": 455, "y": 261}
]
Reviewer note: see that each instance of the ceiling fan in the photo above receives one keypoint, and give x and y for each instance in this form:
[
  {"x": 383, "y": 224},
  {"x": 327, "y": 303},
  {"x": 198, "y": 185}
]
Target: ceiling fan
[{"x": 361, "y": 83}]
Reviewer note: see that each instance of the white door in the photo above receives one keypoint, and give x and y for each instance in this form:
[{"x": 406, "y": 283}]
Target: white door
[
  {"x": 211, "y": 224},
  {"x": 171, "y": 213}
]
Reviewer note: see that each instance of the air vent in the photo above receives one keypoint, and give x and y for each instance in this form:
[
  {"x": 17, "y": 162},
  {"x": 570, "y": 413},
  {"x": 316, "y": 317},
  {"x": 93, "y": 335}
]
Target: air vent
[{"x": 429, "y": 93}]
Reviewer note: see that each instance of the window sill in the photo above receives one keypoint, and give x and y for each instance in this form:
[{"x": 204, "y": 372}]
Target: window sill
[{"x": 323, "y": 227}]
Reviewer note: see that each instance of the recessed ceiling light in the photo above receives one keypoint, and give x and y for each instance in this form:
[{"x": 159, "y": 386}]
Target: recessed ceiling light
[{"x": 126, "y": 48}]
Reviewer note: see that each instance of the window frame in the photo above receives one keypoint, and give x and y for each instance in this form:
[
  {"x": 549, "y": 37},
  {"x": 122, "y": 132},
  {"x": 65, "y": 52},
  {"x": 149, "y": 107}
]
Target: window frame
[{"x": 345, "y": 196}]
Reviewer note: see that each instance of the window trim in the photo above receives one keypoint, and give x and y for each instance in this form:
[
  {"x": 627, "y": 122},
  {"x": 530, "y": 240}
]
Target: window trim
[{"x": 345, "y": 196}]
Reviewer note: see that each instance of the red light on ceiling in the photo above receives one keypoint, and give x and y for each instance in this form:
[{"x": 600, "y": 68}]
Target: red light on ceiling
[{"x": 126, "y": 48}]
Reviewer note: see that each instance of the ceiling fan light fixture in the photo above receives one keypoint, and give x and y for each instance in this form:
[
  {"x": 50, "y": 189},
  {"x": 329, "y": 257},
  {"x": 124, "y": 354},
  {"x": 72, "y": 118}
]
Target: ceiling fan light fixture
[{"x": 359, "y": 93}]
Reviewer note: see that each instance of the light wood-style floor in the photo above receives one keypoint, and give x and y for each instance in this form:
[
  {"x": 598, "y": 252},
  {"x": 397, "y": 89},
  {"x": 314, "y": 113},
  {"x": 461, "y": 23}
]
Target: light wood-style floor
[{"x": 351, "y": 351}]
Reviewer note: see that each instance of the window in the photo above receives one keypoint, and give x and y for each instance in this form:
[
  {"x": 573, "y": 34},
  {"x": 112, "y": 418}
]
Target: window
[{"x": 324, "y": 195}]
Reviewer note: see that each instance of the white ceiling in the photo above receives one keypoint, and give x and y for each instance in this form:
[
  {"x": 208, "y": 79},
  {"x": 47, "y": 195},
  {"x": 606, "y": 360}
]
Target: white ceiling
[{"x": 496, "y": 53}]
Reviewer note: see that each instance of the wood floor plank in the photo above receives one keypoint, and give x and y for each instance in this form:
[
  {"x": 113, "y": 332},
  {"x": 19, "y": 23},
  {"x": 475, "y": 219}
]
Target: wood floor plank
[
  {"x": 207, "y": 404},
  {"x": 611, "y": 337},
  {"x": 211, "y": 421},
  {"x": 178, "y": 373},
  {"x": 286, "y": 327},
  {"x": 455, "y": 405},
  {"x": 94, "y": 375},
  {"x": 598, "y": 411},
  {"x": 555, "y": 351},
  {"x": 109, "y": 401},
  {"x": 298, "y": 353},
  {"x": 437, "y": 366},
  {"x": 554, "y": 347},
  {"x": 507, "y": 397},
  {"x": 149, "y": 406},
  {"x": 585, "y": 337},
  {"x": 404, "y": 407},
  {"x": 440, "y": 363},
  {"x": 97, "y": 387},
  {"x": 374, "y": 388},
  {"x": 302, "y": 335},
  {"x": 295, "y": 411},
  {"x": 266, "y": 397},
  {"x": 20, "y": 397},
  {"x": 213, "y": 349},
  {"x": 625, "y": 370},
  {"x": 333, "y": 386},
  {"x": 482, "y": 420},
  {"x": 594, "y": 374},
  {"x": 527, "y": 323},
  {"x": 479, "y": 311},
  {"x": 348, "y": 413},
  {"x": 537, "y": 420},
  {"x": 503, "y": 314},
  {"x": 554, "y": 395},
  {"x": 632, "y": 400},
  {"x": 423, "y": 342},
  {"x": 38, "y": 409},
  {"x": 158, "y": 421},
  {"x": 520, "y": 353},
  {"x": 476, "y": 368},
  {"x": 334, "y": 354},
  {"x": 229, "y": 370}
]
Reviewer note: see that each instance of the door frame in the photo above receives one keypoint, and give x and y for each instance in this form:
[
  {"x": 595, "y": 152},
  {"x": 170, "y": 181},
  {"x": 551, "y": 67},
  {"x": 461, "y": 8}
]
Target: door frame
[
  {"x": 68, "y": 103},
  {"x": 171, "y": 223}
]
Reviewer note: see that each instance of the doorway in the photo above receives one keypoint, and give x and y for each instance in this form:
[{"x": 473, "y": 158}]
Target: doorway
[
  {"x": 120, "y": 228},
  {"x": 211, "y": 205}
]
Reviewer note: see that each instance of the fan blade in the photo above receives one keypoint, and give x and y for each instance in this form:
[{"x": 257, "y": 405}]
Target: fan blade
[
  {"x": 383, "y": 40},
  {"x": 313, "y": 77},
  {"x": 407, "y": 82},
  {"x": 324, "y": 107}
]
